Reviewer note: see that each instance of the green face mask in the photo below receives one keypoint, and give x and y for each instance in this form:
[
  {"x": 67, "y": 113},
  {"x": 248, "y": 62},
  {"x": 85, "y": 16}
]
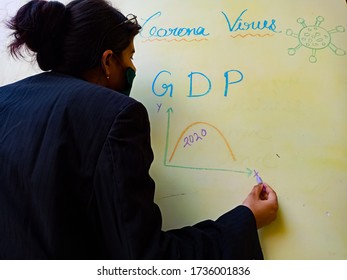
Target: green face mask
[{"x": 130, "y": 76}]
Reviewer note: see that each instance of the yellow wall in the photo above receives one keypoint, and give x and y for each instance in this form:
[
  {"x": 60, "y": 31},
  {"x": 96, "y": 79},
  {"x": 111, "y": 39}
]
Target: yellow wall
[{"x": 244, "y": 100}]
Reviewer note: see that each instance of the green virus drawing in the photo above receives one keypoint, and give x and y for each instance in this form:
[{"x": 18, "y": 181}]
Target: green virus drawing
[{"x": 315, "y": 38}]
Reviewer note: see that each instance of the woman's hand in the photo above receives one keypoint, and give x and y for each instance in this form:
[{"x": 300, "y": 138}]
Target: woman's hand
[{"x": 262, "y": 201}]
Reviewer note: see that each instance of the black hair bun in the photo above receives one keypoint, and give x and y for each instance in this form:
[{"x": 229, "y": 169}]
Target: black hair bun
[{"x": 39, "y": 26}]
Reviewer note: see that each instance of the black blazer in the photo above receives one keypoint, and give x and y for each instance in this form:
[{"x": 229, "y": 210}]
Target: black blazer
[{"x": 75, "y": 184}]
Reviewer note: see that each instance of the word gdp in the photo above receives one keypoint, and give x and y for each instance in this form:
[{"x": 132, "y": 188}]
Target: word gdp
[{"x": 198, "y": 84}]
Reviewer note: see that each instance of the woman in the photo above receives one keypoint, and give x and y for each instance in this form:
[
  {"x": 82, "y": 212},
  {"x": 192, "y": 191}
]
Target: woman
[{"x": 75, "y": 151}]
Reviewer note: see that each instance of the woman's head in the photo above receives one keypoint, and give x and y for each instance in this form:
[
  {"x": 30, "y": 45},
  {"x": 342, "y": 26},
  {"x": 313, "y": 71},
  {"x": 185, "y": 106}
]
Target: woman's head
[{"x": 71, "y": 39}]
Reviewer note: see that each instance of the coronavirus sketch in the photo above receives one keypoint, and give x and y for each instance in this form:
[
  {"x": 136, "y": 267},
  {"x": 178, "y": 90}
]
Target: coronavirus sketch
[{"x": 315, "y": 37}]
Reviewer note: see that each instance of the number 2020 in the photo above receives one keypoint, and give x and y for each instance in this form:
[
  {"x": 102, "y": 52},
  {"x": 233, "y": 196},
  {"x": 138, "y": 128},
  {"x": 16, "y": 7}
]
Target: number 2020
[{"x": 195, "y": 137}]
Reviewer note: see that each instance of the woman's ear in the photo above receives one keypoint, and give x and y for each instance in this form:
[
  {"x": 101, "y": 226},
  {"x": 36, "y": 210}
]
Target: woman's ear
[{"x": 106, "y": 62}]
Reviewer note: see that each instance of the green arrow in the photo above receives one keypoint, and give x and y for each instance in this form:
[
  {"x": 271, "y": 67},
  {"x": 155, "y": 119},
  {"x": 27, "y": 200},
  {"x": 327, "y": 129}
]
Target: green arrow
[
  {"x": 247, "y": 171},
  {"x": 169, "y": 111}
]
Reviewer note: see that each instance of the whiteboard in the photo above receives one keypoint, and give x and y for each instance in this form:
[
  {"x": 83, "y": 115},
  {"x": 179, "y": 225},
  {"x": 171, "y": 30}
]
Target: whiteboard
[{"x": 236, "y": 86}]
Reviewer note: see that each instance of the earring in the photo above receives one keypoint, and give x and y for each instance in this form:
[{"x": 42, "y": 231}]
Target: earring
[{"x": 108, "y": 77}]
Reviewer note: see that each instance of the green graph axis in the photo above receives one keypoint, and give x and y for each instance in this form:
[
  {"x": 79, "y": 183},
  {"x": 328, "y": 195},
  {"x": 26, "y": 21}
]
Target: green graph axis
[{"x": 246, "y": 171}]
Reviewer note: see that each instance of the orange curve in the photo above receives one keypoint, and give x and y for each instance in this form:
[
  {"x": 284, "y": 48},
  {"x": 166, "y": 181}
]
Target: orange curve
[{"x": 195, "y": 123}]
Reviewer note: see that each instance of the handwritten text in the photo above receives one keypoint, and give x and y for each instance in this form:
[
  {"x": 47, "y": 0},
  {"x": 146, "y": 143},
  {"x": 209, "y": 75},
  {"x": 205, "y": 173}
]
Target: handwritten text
[
  {"x": 150, "y": 29},
  {"x": 230, "y": 77}
]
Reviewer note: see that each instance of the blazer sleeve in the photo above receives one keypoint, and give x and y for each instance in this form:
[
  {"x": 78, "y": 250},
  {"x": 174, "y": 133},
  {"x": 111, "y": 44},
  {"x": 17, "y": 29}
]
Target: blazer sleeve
[{"x": 129, "y": 220}]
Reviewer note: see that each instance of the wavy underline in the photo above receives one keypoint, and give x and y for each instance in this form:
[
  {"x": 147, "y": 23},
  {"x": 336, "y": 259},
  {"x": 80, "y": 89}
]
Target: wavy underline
[
  {"x": 205, "y": 39},
  {"x": 252, "y": 35},
  {"x": 176, "y": 40}
]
